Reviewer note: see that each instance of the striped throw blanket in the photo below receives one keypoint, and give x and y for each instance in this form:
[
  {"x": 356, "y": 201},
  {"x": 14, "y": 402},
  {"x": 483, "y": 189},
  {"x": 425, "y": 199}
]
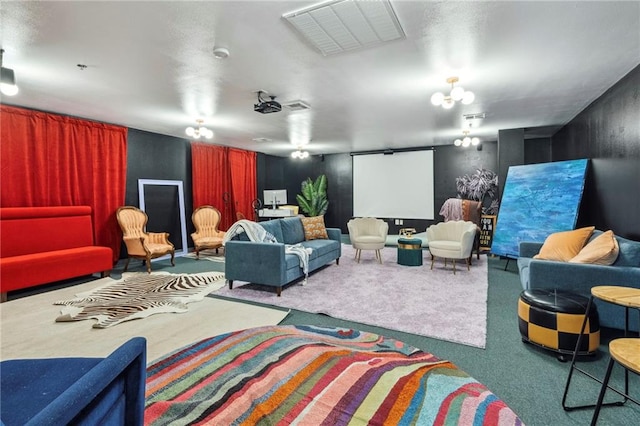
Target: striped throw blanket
[{"x": 305, "y": 375}]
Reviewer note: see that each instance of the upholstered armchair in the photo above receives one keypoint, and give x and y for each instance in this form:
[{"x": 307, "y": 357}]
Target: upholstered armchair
[
  {"x": 141, "y": 244},
  {"x": 206, "y": 220},
  {"x": 452, "y": 240},
  {"x": 468, "y": 210},
  {"x": 368, "y": 233}
]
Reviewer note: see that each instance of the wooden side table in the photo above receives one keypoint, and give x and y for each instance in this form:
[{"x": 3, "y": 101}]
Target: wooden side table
[
  {"x": 625, "y": 352},
  {"x": 627, "y": 297}
]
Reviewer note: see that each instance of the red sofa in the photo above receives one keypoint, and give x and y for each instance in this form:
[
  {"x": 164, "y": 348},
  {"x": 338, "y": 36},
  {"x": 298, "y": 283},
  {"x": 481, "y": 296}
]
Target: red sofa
[{"x": 40, "y": 245}]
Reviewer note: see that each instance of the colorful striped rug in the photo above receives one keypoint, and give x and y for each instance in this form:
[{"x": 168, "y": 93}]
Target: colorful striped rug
[{"x": 282, "y": 375}]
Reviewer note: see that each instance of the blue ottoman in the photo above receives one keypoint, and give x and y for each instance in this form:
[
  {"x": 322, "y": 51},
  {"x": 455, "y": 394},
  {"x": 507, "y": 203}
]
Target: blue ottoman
[{"x": 410, "y": 251}]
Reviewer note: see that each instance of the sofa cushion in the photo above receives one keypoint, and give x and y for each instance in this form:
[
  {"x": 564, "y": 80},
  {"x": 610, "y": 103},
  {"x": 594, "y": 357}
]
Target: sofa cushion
[
  {"x": 321, "y": 247},
  {"x": 601, "y": 250},
  {"x": 563, "y": 246},
  {"x": 314, "y": 228},
  {"x": 274, "y": 228},
  {"x": 629, "y": 253},
  {"x": 292, "y": 230}
]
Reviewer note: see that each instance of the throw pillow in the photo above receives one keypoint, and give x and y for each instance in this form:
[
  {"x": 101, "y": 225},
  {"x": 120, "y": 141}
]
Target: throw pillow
[
  {"x": 603, "y": 250},
  {"x": 314, "y": 228},
  {"x": 564, "y": 246}
]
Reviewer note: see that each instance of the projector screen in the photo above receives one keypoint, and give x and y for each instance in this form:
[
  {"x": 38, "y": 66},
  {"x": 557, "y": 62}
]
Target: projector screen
[{"x": 394, "y": 186}]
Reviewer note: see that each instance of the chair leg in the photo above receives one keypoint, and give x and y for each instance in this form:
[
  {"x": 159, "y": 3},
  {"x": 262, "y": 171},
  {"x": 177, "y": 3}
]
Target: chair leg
[
  {"x": 432, "y": 260},
  {"x": 469, "y": 263},
  {"x": 358, "y": 253},
  {"x": 454, "y": 266},
  {"x": 379, "y": 256},
  {"x": 173, "y": 255},
  {"x": 148, "y": 264},
  {"x": 126, "y": 264},
  {"x": 197, "y": 254}
]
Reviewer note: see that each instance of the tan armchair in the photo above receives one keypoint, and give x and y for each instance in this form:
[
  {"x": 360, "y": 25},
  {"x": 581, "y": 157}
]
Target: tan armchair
[
  {"x": 452, "y": 240},
  {"x": 206, "y": 220},
  {"x": 141, "y": 244},
  {"x": 368, "y": 233}
]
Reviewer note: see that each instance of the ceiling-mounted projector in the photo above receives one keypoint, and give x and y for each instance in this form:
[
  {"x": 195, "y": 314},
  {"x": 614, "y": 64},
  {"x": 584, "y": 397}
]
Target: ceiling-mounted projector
[{"x": 266, "y": 106}]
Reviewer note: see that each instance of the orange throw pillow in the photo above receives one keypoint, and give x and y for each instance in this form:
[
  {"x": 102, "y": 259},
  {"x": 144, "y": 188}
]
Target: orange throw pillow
[
  {"x": 314, "y": 228},
  {"x": 603, "y": 250},
  {"x": 564, "y": 246}
]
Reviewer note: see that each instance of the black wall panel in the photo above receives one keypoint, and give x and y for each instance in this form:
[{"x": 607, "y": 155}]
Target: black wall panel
[
  {"x": 608, "y": 132},
  {"x": 154, "y": 156},
  {"x": 537, "y": 150}
]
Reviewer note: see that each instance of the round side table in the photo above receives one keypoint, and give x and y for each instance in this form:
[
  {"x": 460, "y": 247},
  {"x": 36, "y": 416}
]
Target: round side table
[
  {"x": 627, "y": 297},
  {"x": 410, "y": 251}
]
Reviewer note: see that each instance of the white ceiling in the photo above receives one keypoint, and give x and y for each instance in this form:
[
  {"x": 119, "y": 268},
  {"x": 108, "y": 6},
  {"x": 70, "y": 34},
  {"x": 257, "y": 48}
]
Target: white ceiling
[{"x": 150, "y": 66}]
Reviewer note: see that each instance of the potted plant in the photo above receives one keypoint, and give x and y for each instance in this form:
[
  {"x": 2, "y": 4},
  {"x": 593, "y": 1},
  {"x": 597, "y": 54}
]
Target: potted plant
[
  {"x": 313, "y": 200},
  {"x": 483, "y": 183}
]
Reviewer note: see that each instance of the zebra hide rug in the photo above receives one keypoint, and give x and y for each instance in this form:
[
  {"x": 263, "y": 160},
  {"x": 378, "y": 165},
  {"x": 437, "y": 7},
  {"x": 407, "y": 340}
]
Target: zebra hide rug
[{"x": 139, "y": 295}]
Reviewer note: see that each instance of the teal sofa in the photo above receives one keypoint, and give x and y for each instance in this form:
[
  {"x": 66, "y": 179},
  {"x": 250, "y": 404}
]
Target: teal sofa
[
  {"x": 579, "y": 277},
  {"x": 267, "y": 263}
]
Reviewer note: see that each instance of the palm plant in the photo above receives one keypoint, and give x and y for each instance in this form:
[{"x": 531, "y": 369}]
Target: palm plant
[
  {"x": 313, "y": 200},
  {"x": 483, "y": 183}
]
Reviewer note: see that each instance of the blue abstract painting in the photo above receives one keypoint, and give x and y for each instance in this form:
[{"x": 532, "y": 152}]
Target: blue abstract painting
[{"x": 538, "y": 200}]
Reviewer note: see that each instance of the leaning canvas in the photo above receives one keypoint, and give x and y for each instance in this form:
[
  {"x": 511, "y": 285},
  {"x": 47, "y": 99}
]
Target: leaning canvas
[{"x": 538, "y": 199}]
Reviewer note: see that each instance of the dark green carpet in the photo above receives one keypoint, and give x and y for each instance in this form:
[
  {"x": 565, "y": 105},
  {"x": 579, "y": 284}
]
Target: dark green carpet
[{"x": 530, "y": 380}]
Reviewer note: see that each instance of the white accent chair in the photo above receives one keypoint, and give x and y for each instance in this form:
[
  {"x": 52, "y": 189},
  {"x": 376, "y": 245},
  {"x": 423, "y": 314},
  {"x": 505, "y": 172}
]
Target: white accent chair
[
  {"x": 368, "y": 233},
  {"x": 452, "y": 240}
]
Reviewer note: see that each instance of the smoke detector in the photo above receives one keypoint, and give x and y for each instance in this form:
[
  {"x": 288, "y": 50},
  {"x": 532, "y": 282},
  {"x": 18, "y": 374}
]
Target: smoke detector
[{"x": 220, "y": 52}]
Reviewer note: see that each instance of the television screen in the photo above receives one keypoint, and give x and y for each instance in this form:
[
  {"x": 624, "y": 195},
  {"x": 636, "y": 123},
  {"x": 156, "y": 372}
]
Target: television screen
[
  {"x": 538, "y": 200},
  {"x": 274, "y": 197}
]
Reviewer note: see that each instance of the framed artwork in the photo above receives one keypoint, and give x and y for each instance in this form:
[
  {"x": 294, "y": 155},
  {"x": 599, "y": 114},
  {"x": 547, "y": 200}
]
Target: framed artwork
[
  {"x": 538, "y": 199},
  {"x": 487, "y": 226}
]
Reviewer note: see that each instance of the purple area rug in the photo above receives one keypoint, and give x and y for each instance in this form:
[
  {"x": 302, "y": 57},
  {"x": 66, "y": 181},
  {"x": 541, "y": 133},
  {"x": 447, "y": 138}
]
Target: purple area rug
[{"x": 413, "y": 299}]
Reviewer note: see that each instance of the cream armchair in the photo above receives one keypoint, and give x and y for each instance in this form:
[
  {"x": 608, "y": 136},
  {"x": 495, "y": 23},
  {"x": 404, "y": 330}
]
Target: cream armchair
[
  {"x": 141, "y": 244},
  {"x": 452, "y": 240},
  {"x": 368, "y": 233},
  {"x": 206, "y": 220}
]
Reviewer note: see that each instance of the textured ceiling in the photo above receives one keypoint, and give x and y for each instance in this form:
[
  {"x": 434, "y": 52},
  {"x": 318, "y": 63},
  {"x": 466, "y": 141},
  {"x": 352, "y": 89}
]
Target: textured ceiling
[{"x": 150, "y": 66}]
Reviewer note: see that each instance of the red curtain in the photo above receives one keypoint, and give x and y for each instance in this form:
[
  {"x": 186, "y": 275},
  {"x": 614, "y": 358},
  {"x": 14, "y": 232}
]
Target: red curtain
[
  {"x": 243, "y": 181},
  {"x": 53, "y": 160},
  {"x": 224, "y": 178}
]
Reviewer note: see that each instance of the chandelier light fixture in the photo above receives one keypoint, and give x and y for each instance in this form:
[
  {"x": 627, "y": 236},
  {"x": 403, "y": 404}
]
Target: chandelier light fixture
[
  {"x": 8, "y": 85},
  {"x": 200, "y": 131},
  {"x": 457, "y": 93},
  {"x": 466, "y": 140},
  {"x": 300, "y": 154}
]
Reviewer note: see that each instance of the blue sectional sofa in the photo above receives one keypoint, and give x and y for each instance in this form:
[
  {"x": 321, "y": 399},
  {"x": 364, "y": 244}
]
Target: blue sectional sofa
[
  {"x": 580, "y": 277},
  {"x": 267, "y": 263}
]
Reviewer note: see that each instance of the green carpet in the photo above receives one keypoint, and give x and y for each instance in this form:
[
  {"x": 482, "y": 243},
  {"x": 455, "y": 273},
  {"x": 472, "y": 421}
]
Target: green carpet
[{"x": 530, "y": 380}]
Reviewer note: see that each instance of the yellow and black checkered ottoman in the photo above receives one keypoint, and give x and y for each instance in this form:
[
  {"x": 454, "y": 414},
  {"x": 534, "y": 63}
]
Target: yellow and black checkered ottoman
[{"x": 552, "y": 319}]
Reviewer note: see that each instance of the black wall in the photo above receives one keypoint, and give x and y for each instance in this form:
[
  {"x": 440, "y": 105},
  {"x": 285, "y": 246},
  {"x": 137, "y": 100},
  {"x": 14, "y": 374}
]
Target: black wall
[
  {"x": 450, "y": 162},
  {"x": 154, "y": 156},
  {"x": 608, "y": 132}
]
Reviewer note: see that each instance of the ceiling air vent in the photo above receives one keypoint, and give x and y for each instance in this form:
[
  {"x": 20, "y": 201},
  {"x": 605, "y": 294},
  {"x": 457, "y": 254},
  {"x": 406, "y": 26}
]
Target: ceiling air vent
[
  {"x": 341, "y": 25},
  {"x": 262, "y": 140},
  {"x": 296, "y": 106},
  {"x": 476, "y": 116}
]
